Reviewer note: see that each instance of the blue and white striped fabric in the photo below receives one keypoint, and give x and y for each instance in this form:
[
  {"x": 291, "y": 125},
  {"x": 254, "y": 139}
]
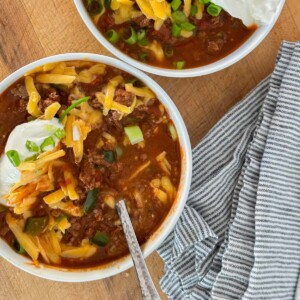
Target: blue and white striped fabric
[{"x": 239, "y": 235}]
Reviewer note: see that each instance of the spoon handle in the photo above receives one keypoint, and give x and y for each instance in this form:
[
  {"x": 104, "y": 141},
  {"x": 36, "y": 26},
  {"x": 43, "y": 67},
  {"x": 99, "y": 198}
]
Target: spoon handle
[{"x": 149, "y": 291}]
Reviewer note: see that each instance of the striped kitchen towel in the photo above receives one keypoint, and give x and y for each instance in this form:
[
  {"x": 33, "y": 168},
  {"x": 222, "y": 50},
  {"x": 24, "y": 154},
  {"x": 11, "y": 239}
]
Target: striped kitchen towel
[{"x": 239, "y": 234}]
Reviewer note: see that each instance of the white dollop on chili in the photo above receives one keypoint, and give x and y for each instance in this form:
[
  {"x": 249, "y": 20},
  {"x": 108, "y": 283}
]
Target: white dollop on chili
[{"x": 35, "y": 131}]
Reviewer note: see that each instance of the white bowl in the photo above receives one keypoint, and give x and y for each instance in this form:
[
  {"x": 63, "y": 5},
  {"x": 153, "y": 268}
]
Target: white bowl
[
  {"x": 117, "y": 266},
  {"x": 257, "y": 37}
]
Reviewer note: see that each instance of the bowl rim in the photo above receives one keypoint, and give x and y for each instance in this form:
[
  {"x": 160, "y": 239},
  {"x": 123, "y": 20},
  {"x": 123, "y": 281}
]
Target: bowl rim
[
  {"x": 122, "y": 264},
  {"x": 248, "y": 46}
]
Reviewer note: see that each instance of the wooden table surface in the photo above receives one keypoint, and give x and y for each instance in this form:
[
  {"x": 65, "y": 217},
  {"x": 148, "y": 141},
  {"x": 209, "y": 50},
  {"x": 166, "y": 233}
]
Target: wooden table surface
[{"x": 31, "y": 29}]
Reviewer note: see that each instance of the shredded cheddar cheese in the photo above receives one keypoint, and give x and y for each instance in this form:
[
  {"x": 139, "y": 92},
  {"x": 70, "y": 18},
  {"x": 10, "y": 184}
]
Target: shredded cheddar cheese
[{"x": 34, "y": 97}]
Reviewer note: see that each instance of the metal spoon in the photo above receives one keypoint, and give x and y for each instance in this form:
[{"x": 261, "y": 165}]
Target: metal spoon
[{"x": 149, "y": 291}]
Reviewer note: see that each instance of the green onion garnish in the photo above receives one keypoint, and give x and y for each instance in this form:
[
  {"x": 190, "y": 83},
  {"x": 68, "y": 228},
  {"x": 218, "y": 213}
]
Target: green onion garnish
[
  {"x": 141, "y": 34},
  {"x": 134, "y": 133},
  {"x": 112, "y": 36},
  {"x": 35, "y": 226},
  {"x": 214, "y": 10},
  {"x": 169, "y": 51},
  {"x": 47, "y": 143},
  {"x": 32, "y": 146},
  {"x": 179, "y": 16},
  {"x": 91, "y": 201},
  {"x": 194, "y": 10},
  {"x": 204, "y": 1},
  {"x": 187, "y": 26},
  {"x": 13, "y": 157},
  {"x": 76, "y": 103},
  {"x": 175, "y": 4},
  {"x": 109, "y": 156},
  {"x": 100, "y": 239},
  {"x": 133, "y": 37},
  {"x": 179, "y": 64},
  {"x": 176, "y": 30},
  {"x": 60, "y": 133}
]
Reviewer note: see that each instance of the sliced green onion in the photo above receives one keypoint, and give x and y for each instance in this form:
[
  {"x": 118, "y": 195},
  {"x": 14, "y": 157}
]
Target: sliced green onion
[
  {"x": 175, "y": 4},
  {"x": 214, "y": 10},
  {"x": 179, "y": 64},
  {"x": 95, "y": 7},
  {"x": 179, "y": 16},
  {"x": 91, "y": 201},
  {"x": 100, "y": 239},
  {"x": 119, "y": 152},
  {"x": 18, "y": 247},
  {"x": 134, "y": 133},
  {"x": 32, "y": 158},
  {"x": 75, "y": 104},
  {"x": 3, "y": 208},
  {"x": 143, "y": 56},
  {"x": 204, "y": 1},
  {"x": 109, "y": 156},
  {"x": 141, "y": 34},
  {"x": 13, "y": 157},
  {"x": 143, "y": 42},
  {"x": 47, "y": 144},
  {"x": 169, "y": 51},
  {"x": 194, "y": 10},
  {"x": 60, "y": 133},
  {"x": 187, "y": 26},
  {"x": 35, "y": 226},
  {"x": 112, "y": 36},
  {"x": 176, "y": 30},
  {"x": 133, "y": 37},
  {"x": 32, "y": 146}
]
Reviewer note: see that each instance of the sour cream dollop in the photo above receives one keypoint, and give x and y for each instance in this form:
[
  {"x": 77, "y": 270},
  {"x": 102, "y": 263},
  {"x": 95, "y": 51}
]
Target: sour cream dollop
[
  {"x": 259, "y": 12},
  {"x": 36, "y": 131}
]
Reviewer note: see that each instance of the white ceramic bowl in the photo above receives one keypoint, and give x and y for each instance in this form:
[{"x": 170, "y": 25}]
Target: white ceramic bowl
[
  {"x": 227, "y": 61},
  {"x": 60, "y": 274}
]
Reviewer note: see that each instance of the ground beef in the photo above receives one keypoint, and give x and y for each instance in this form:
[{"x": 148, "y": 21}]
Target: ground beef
[
  {"x": 82, "y": 195},
  {"x": 94, "y": 103},
  {"x": 215, "y": 46},
  {"x": 106, "y": 21},
  {"x": 143, "y": 21},
  {"x": 20, "y": 92},
  {"x": 83, "y": 227},
  {"x": 91, "y": 171},
  {"x": 207, "y": 22},
  {"x": 95, "y": 86},
  {"x": 140, "y": 112},
  {"x": 52, "y": 98},
  {"x": 23, "y": 105},
  {"x": 112, "y": 122},
  {"x": 41, "y": 210},
  {"x": 124, "y": 97}
]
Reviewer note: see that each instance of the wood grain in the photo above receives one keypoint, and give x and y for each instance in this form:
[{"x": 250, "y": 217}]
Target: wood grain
[{"x": 31, "y": 29}]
